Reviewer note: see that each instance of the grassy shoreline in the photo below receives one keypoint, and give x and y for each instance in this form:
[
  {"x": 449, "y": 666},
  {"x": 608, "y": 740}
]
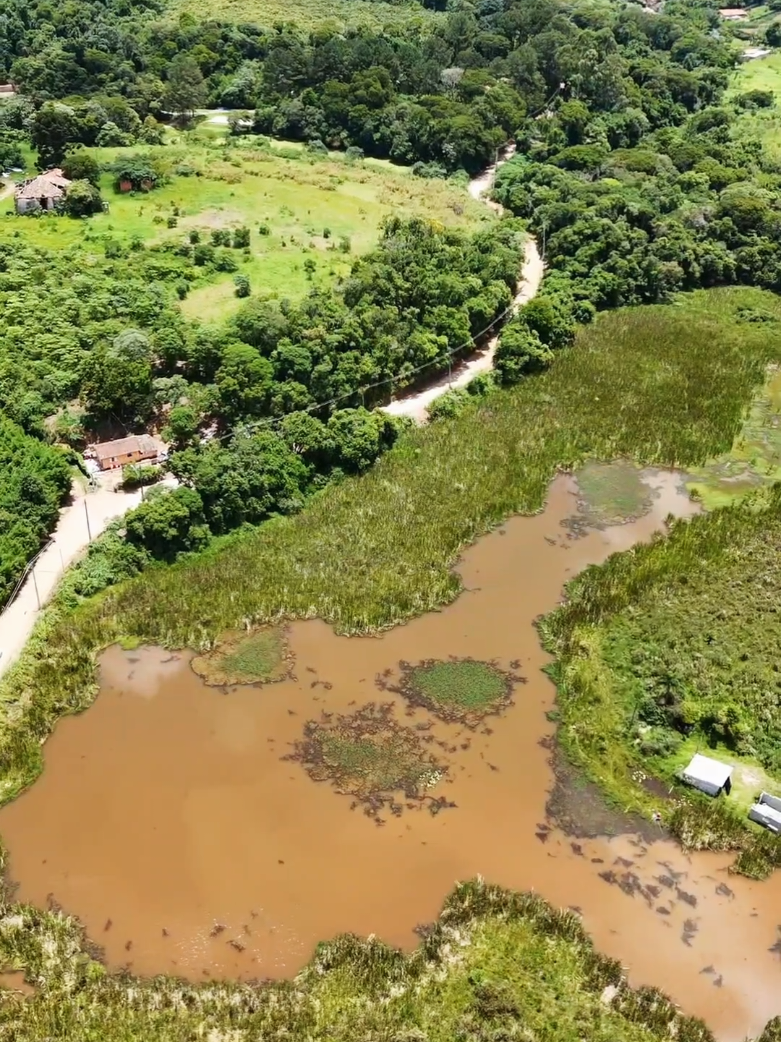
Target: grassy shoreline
[
  {"x": 492, "y": 966},
  {"x": 688, "y": 612}
]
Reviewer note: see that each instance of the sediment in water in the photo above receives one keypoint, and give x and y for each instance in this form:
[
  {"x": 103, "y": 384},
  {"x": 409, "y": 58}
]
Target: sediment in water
[{"x": 170, "y": 811}]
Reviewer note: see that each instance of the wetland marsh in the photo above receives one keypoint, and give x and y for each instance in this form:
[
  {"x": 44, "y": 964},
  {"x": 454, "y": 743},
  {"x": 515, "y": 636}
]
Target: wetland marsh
[{"x": 182, "y": 823}]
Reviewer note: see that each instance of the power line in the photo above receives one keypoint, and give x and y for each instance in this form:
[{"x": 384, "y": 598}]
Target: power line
[{"x": 274, "y": 421}]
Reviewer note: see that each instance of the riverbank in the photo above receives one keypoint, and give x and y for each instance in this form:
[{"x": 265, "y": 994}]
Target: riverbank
[{"x": 493, "y": 965}]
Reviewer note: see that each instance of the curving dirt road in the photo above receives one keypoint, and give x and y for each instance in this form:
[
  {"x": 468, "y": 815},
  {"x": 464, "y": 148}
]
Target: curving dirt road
[{"x": 415, "y": 405}]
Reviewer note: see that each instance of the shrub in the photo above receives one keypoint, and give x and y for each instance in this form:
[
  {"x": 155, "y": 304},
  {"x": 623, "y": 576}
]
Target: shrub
[{"x": 241, "y": 238}]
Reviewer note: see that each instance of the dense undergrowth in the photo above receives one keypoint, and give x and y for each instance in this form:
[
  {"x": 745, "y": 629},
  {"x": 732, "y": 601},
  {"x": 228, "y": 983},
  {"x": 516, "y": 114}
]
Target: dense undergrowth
[
  {"x": 496, "y": 965},
  {"x": 673, "y": 648}
]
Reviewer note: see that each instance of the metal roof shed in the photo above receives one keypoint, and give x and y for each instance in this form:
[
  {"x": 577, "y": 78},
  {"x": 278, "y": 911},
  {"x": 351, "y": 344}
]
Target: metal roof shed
[
  {"x": 767, "y": 811},
  {"x": 710, "y": 776}
]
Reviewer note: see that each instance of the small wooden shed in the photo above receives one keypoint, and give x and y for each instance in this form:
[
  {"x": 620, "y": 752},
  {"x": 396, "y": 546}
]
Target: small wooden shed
[{"x": 767, "y": 811}]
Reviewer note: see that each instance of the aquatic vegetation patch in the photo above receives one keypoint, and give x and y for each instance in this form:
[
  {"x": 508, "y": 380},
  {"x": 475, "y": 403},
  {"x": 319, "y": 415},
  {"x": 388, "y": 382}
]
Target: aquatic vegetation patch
[
  {"x": 257, "y": 657},
  {"x": 611, "y": 493},
  {"x": 456, "y": 689},
  {"x": 755, "y": 456},
  {"x": 369, "y": 755}
]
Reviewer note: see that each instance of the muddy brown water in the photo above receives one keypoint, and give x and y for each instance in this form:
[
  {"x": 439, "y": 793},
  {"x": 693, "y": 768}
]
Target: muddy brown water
[{"x": 167, "y": 820}]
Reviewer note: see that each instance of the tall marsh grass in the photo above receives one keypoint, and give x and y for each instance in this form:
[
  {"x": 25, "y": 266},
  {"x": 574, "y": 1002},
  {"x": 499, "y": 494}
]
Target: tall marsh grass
[{"x": 495, "y": 965}]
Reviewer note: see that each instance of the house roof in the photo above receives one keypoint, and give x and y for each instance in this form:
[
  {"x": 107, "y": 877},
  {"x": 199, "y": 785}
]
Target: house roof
[
  {"x": 711, "y": 772},
  {"x": 733, "y": 12},
  {"x": 142, "y": 443},
  {"x": 49, "y": 185}
]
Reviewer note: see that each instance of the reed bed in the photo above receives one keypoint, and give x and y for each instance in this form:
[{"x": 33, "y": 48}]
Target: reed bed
[{"x": 495, "y": 965}]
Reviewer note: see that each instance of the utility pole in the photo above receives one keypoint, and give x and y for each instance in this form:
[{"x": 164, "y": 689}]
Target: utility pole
[
  {"x": 86, "y": 514},
  {"x": 35, "y": 584}
]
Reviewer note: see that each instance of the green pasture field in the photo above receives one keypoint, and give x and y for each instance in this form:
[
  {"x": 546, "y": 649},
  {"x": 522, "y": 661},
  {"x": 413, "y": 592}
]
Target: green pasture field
[
  {"x": 308, "y": 205},
  {"x": 761, "y": 124},
  {"x": 374, "y": 14}
]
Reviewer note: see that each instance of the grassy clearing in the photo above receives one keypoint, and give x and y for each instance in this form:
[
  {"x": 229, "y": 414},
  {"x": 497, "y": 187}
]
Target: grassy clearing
[
  {"x": 495, "y": 965},
  {"x": 240, "y": 658},
  {"x": 461, "y": 690},
  {"x": 759, "y": 74},
  {"x": 298, "y": 208},
  {"x": 763, "y": 124},
  {"x": 370, "y": 756},
  {"x": 306, "y": 14}
]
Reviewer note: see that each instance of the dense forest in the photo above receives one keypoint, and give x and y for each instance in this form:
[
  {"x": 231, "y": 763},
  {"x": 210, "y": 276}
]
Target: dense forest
[{"x": 627, "y": 171}]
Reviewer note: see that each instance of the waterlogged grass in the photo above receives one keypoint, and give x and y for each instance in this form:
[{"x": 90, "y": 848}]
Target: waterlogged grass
[
  {"x": 459, "y": 689},
  {"x": 370, "y": 756},
  {"x": 680, "y": 637},
  {"x": 495, "y": 965},
  {"x": 755, "y": 456},
  {"x": 612, "y": 493},
  {"x": 245, "y": 658}
]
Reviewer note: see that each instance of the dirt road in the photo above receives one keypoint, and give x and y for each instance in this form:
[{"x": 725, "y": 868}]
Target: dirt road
[
  {"x": 416, "y": 405},
  {"x": 68, "y": 541}
]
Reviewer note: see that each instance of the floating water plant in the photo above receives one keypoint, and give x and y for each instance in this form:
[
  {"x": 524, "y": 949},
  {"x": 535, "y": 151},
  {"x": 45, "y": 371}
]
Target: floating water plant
[
  {"x": 457, "y": 690},
  {"x": 612, "y": 493},
  {"x": 369, "y": 755},
  {"x": 259, "y": 657}
]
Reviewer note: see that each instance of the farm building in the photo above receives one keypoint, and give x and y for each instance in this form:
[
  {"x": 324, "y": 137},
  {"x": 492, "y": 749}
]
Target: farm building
[
  {"x": 767, "y": 811},
  {"x": 709, "y": 776},
  {"x": 42, "y": 192},
  {"x": 134, "y": 449},
  {"x": 733, "y": 14}
]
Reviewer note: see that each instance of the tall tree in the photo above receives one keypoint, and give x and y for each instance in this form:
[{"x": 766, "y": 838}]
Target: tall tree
[{"x": 185, "y": 90}]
